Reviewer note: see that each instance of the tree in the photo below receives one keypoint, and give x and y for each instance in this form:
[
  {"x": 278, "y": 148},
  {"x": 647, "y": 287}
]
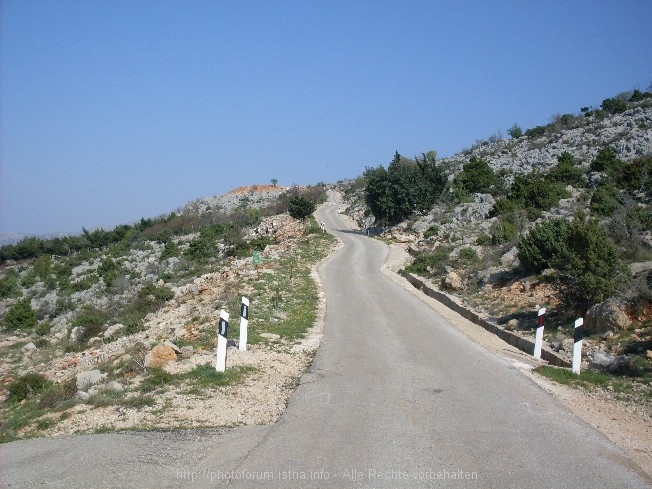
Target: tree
[
  {"x": 300, "y": 208},
  {"x": 406, "y": 186},
  {"x": 477, "y": 177},
  {"x": 20, "y": 315},
  {"x": 588, "y": 264},
  {"x": 604, "y": 200},
  {"x": 533, "y": 190},
  {"x": 274, "y": 181},
  {"x": 614, "y": 105},
  {"x": 565, "y": 172},
  {"x": 515, "y": 131}
]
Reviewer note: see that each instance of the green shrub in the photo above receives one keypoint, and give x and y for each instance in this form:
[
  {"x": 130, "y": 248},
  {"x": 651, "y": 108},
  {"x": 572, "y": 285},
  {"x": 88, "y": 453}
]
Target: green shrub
[
  {"x": 614, "y": 105},
  {"x": 531, "y": 191},
  {"x": 636, "y": 175},
  {"x": 42, "y": 266},
  {"x": 477, "y": 177},
  {"x": 26, "y": 386},
  {"x": 261, "y": 242},
  {"x": 433, "y": 230},
  {"x": 534, "y": 191},
  {"x": 467, "y": 256},
  {"x": 20, "y": 315},
  {"x": 406, "y": 186},
  {"x": 91, "y": 321},
  {"x": 503, "y": 232},
  {"x": 604, "y": 200},
  {"x": 515, "y": 131},
  {"x": 43, "y": 328},
  {"x": 543, "y": 246},
  {"x": 637, "y": 96},
  {"x": 108, "y": 270},
  {"x": 169, "y": 250},
  {"x": 56, "y": 394},
  {"x": 536, "y": 132},
  {"x": 435, "y": 262},
  {"x": 205, "y": 247},
  {"x": 565, "y": 172},
  {"x": 9, "y": 284},
  {"x": 156, "y": 378},
  {"x": 139, "y": 402},
  {"x": 300, "y": 208},
  {"x": 586, "y": 260},
  {"x": 150, "y": 298},
  {"x": 504, "y": 206},
  {"x": 606, "y": 161}
]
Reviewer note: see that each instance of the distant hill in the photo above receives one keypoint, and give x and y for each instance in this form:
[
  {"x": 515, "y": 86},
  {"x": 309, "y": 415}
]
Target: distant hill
[{"x": 13, "y": 238}]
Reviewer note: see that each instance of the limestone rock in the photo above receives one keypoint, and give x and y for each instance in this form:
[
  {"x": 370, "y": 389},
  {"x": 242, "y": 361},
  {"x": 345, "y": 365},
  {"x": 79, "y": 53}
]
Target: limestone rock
[
  {"x": 510, "y": 259},
  {"x": 28, "y": 349},
  {"x": 82, "y": 396},
  {"x": 159, "y": 356},
  {"x": 113, "y": 329},
  {"x": 606, "y": 316},
  {"x": 601, "y": 360},
  {"x": 512, "y": 324},
  {"x": 76, "y": 333},
  {"x": 453, "y": 281},
  {"x": 95, "y": 341},
  {"x": 89, "y": 378},
  {"x": 173, "y": 346},
  {"x": 270, "y": 336},
  {"x": 187, "y": 352},
  {"x": 114, "y": 386},
  {"x": 96, "y": 389},
  {"x": 567, "y": 344}
]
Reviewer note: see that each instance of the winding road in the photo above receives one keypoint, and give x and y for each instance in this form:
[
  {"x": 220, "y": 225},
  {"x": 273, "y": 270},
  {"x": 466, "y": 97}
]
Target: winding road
[{"x": 396, "y": 397}]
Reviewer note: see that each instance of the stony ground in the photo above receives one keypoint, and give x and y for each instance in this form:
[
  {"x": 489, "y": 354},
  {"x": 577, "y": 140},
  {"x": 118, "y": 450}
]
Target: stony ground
[{"x": 266, "y": 373}]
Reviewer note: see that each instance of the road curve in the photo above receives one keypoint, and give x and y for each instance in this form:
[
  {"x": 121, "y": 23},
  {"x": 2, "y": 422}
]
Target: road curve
[{"x": 396, "y": 397}]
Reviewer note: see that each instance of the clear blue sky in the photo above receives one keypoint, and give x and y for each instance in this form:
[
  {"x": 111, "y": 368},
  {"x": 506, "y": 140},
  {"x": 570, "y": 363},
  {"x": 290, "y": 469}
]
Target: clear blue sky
[{"x": 114, "y": 110}]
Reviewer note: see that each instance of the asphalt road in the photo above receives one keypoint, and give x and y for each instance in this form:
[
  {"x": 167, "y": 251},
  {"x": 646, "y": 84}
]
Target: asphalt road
[{"x": 396, "y": 397}]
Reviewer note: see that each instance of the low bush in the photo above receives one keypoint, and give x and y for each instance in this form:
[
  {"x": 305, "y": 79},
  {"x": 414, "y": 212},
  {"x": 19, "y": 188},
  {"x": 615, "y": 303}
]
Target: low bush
[
  {"x": 477, "y": 177},
  {"x": 20, "y": 315},
  {"x": 26, "y": 386},
  {"x": 566, "y": 172},
  {"x": 502, "y": 232},
  {"x": 604, "y": 200},
  {"x": 433, "y": 230},
  {"x": 587, "y": 262},
  {"x": 434, "y": 262}
]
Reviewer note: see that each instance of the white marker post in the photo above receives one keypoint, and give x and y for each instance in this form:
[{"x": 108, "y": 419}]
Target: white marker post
[
  {"x": 244, "y": 323},
  {"x": 222, "y": 333},
  {"x": 577, "y": 346},
  {"x": 538, "y": 340}
]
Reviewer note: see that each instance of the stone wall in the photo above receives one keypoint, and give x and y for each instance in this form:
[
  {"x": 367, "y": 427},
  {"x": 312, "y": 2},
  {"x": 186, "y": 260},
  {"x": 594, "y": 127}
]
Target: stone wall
[{"x": 522, "y": 344}]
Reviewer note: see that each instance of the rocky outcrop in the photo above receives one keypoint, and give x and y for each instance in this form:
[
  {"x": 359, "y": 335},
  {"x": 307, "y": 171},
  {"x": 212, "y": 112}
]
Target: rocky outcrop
[
  {"x": 606, "y": 316},
  {"x": 453, "y": 281},
  {"x": 89, "y": 378}
]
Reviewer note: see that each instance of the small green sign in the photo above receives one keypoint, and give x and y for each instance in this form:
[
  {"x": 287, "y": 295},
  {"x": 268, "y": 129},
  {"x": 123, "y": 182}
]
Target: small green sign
[{"x": 256, "y": 258}]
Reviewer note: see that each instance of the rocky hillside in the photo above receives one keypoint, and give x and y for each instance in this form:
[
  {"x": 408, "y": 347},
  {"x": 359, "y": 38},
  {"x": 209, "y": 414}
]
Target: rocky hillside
[
  {"x": 578, "y": 188},
  {"x": 120, "y": 333},
  {"x": 254, "y": 196}
]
